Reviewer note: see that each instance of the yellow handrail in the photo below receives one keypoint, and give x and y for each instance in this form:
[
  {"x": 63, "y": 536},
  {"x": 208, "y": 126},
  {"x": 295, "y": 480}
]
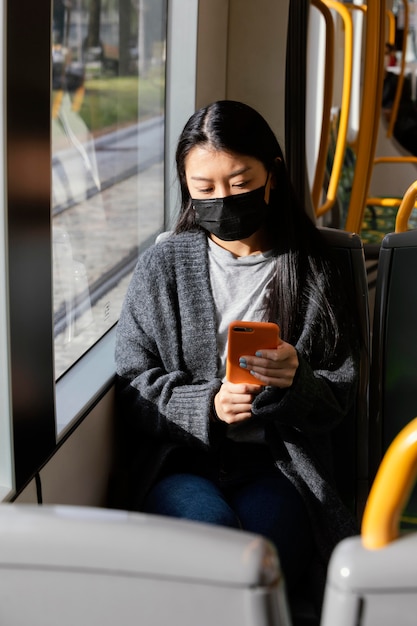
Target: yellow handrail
[
  {"x": 395, "y": 159},
  {"x": 390, "y": 490},
  {"x": 400, "y": 83},
  {"x": 406, "y": 206},
  {"x": 371, "y": 102},
  {"x": 356, "y": 71},
  {"x": 393, "y": 202},
  {"x": 391, "y": 27},
  {"x": 344, "y": 110},
  {"x": 317, "y": 185},
  {"x": 355, "y": 7},
  {"x": 384, "y": 202}
]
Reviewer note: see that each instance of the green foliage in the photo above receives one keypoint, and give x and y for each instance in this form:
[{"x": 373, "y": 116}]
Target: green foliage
[
  {"x": 378, "y": 221},
  {"x": 117, "y": 101}
]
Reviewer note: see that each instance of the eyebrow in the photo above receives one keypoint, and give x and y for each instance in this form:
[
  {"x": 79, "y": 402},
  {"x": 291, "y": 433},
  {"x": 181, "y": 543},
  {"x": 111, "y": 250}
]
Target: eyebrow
[{"x": 243, "y": 170}]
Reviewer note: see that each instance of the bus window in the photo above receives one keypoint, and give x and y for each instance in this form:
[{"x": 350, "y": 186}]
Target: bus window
[{"x": 108, "y": 118}]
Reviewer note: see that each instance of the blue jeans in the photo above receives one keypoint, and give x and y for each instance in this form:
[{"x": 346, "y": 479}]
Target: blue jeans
[{"x": 266, "y": 504}]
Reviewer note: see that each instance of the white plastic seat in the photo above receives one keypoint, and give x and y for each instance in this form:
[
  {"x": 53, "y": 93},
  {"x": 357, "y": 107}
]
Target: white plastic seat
[
  {"x": 372, "y": 579},
  {"x": 74, "y": 565}
]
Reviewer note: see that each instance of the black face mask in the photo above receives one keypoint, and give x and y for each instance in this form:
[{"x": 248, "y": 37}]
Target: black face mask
[{"x": 233, "y": 217}]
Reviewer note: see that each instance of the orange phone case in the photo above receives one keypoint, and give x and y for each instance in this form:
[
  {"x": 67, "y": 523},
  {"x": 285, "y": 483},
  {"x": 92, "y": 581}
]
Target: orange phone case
[{"x": 246, "y": 338}]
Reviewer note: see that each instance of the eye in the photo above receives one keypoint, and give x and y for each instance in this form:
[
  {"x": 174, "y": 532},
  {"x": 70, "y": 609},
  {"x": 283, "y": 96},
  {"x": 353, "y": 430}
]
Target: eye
[{"x": 241, "y": 184}]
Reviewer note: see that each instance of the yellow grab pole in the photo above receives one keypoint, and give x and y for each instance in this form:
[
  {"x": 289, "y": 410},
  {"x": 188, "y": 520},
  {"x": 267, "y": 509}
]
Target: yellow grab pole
[
  {"x": 394, "y": 159},
  {"x": 391, "y": 27},
  {"x": 406, "y": 206},
  {"x": 371, "y": 105},
  {"x": 391, "y": 489},
  {"x": 345, "y": 107},
  {"x": 327, "y": 103}
]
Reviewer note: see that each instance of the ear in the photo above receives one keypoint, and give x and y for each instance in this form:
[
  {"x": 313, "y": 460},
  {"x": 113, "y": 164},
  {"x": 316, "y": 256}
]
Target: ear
[{"x": 277, "y": 163}]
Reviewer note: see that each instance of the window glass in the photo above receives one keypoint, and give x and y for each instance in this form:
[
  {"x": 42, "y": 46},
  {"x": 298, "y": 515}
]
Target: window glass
[{"x": 108, "y": 94}]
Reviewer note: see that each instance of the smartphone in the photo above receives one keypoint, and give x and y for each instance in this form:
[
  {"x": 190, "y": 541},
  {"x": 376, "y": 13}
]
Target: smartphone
[{"x": 246, "y": 338}]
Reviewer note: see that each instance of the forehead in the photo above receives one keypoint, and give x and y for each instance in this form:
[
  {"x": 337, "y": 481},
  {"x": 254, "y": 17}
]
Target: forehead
[{"x": 210, "y": 163}]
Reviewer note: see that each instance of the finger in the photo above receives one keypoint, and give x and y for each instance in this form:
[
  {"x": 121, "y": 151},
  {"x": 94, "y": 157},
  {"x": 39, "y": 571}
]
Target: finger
[
  {"x": 233, "y": 418},
  {"x": 283, "y": 351},
  {"x": 271, "y": 355},
  {"x": 282, "y": 380},
  {"x": 240, "y": 408},
  {"x": 271, "y": 359},
  {"x": 242, "y": 388},
  {"x": 237, "y": 399},
  {"x": 250, "y": 362}
]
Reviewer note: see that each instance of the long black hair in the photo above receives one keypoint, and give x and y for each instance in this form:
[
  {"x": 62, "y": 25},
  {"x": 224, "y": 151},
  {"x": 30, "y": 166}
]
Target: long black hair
[{"x": 304, "y": 271}]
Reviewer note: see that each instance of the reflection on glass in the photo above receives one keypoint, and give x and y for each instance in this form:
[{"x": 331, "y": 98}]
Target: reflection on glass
[{"x": 108, "y": 85}]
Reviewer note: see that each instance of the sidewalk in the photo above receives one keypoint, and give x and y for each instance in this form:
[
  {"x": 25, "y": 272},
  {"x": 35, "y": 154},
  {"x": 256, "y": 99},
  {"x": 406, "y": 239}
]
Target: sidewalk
[{"x": 98, "y": 234}]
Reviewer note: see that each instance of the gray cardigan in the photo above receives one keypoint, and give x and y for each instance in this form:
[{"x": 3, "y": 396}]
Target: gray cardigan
[{"x": 166, "y": 357}]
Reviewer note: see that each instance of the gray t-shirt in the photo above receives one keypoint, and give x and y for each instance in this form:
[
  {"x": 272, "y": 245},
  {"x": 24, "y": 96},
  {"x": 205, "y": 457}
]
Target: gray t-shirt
[{"x": 239, "y": 286}]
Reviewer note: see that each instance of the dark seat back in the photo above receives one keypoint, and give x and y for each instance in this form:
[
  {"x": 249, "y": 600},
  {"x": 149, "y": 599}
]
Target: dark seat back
[
  {"x": 393, "y": 384},
  {"x": 350, "y": 439}
]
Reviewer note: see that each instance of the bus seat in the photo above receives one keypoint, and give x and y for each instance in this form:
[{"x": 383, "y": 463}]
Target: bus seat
[
  {"x": 393, "y": 382},
  {"x": 74, "y": 565},
  {"x": 371, "y": 579},
  {"x": 351, "y": 437},
  {"x": 372, "y": 587}
]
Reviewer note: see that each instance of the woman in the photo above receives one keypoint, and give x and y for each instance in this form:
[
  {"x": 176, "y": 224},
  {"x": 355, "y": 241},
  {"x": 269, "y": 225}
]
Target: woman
[{"x": 251, "y": 456}]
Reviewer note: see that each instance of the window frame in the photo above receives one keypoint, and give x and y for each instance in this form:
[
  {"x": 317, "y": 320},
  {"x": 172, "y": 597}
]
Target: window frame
[
  {"x": 6, "y": 461},
  {"x": 29, "y": 259}
]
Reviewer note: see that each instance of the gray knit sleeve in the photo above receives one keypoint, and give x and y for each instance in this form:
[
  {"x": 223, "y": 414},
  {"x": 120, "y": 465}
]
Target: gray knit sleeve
[
  {"x": 171, "y": 388},
  {"x": 324, "y": 388}
]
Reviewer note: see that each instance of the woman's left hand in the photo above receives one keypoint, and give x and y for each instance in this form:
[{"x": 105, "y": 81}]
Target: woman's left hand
[{"x": 274, "y": 368}]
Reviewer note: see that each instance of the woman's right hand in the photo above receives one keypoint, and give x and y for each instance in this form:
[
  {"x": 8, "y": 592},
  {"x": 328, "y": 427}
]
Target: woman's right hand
[{"x": 233, "y": 402}]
